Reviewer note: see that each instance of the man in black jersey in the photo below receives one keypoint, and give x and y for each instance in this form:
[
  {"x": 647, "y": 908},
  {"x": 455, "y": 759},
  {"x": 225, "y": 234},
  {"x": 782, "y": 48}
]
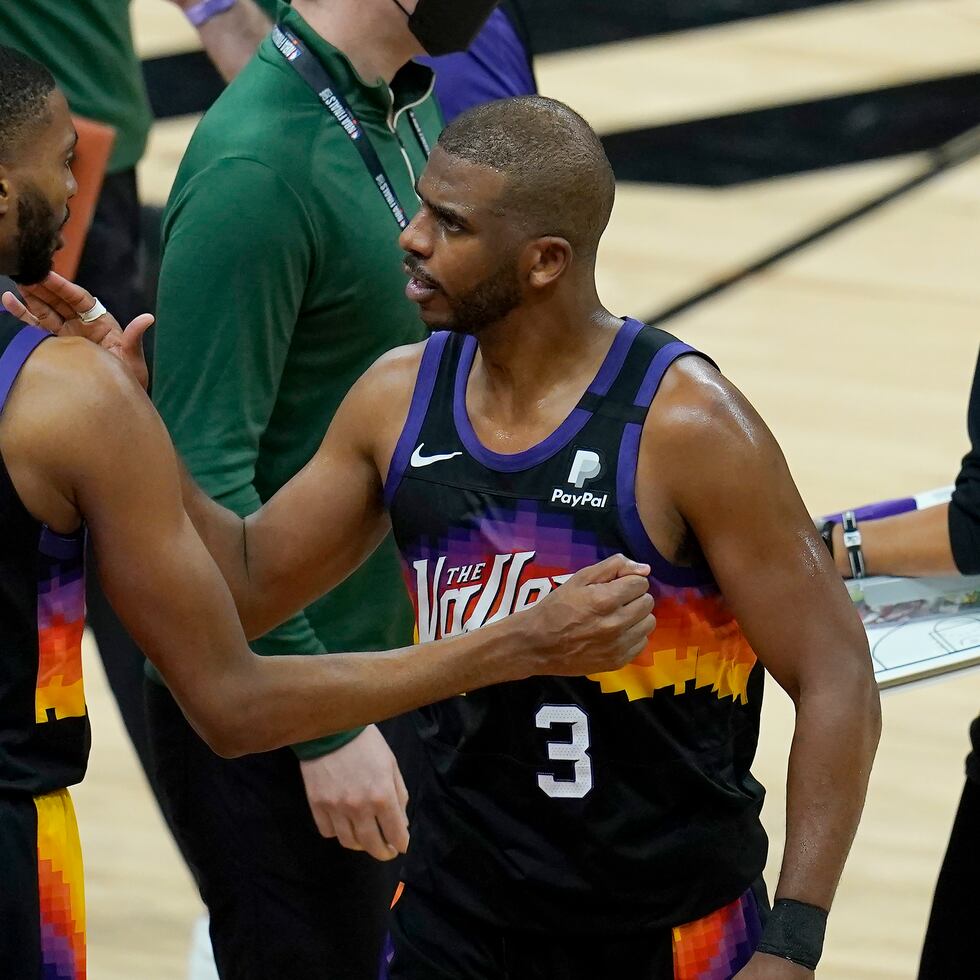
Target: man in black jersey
[
  {"x": 81, "y": 448},
  {"x": 605, "y": 825}
]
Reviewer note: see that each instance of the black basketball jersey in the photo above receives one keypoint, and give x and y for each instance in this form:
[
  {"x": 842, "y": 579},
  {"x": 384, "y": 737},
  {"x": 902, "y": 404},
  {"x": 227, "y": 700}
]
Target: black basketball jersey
[
  {"x": 44, "y": 728},
  {"x": 601, "y": 804}
]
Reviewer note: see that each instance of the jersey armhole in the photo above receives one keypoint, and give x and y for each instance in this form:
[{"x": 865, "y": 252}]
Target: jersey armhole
[
  {"x": 421, "y": 396},
  {"x": 634, "y": 533},
  {"x": 20, "y": 348}
]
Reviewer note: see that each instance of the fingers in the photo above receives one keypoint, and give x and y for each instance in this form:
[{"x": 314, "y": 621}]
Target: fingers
[
  {"x": 76, "y": 298},
  {"x": 393, "y": 827},
  {"x": 65, "y": 310},
  {"x": 608, "y": 570},
  {"x": 44, "y": 316},
  {"x": 324, "y": 822},
  {"x": 610, "y": 595},
  {"x": 633, "y": 612},
  {"x": 370, "y": 837},
  {"x": 16, "y": 308},
  {"x": 346, "y": 835},
  {"x": 637, "y": 636}
]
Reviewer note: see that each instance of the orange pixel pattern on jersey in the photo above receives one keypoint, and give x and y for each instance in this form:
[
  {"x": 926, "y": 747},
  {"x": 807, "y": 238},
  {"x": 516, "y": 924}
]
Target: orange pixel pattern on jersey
[{"x": 696, "y": 640}]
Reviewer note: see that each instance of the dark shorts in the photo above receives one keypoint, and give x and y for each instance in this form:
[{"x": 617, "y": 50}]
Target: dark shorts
[
  {"x": 42, "y": 897},
  {"x": 430, "y": 941}
]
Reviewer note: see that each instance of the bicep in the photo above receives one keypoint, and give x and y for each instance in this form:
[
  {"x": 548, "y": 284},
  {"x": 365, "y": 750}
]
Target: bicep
[
  {"x": 733, "y": 488},
  {"x": 155, "y": 569},
  {"x": 326, "y": 520}
]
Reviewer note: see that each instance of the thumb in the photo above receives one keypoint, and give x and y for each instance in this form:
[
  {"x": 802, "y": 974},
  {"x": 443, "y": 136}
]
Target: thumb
[
  {"x": 134, "y": 332},
  {"x": 608, "y": 570}
]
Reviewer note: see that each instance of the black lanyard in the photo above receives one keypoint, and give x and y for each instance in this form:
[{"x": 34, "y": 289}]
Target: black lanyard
[{"x": 311, "y": 70}]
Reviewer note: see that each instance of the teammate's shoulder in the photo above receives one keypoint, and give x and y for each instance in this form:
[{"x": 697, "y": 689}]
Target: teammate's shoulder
[{"x": 66, "y": 371}]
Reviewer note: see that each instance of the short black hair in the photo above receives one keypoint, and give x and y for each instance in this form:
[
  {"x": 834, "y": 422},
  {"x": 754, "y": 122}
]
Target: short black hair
[
  {"x": 25, "y": 85},
  {"x": 559, "y": 179}
]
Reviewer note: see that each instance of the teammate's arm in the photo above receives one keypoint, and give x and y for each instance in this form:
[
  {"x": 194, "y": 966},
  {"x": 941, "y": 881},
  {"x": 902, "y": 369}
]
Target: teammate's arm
[
  {"x": 726, "y": 478},
  {"x": 90, "y": 443},
  {"x": 321, "y": 525}
]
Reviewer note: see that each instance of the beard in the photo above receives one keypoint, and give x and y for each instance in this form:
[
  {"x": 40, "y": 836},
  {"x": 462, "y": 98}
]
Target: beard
[
  {"x": 37, "y": 238},
  {"x": 486, "y": 303}
]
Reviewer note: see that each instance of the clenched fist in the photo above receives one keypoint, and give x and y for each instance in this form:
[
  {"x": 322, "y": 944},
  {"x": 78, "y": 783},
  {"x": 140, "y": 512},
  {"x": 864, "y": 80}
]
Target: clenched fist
[{"x": 598, "y": 620}]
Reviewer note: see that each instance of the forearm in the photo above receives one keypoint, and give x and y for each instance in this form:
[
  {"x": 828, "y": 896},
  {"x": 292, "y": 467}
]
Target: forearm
[
  {"x": 914, "y": 543},
  {"x": 830, "y": 762},
  {"x": 286, "y": 700},
  {"x": 231, "y": 37}
]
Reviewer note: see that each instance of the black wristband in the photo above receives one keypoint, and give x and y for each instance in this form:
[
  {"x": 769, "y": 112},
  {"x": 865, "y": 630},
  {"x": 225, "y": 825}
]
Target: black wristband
[
  {"x": 852, "y": 543},
  {"x": 827, "y": 533},
  {"x": 794, "y": 931}
]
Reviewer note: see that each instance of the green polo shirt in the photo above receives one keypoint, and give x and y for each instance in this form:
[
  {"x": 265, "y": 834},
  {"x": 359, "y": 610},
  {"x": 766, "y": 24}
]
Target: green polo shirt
[
  {"x": 88, "y": 47},
  {"x": 281, "y": 283}
]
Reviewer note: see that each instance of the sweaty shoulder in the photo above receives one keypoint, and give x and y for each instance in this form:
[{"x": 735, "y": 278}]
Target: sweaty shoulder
[{"x": 697, "y": 408}]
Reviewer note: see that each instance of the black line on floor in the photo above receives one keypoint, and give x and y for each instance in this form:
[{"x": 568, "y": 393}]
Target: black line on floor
[{"x": 952, "y": 154}]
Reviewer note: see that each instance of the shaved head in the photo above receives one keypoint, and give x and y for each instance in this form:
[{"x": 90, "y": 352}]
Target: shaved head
[{"x": 558, "y": 178}]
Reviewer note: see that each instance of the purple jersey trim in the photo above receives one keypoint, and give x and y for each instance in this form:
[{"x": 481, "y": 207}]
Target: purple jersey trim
[
  {"x": 61, "y": 546},
  {"x": 563, "y": 435},
  {"x": 12, "y": 360},
  {"x": 657, "y": 369},
  {"x": 421, "y": 396},
  {"x": 629, "y": 515},
  {"x": 641, "y": 547}
]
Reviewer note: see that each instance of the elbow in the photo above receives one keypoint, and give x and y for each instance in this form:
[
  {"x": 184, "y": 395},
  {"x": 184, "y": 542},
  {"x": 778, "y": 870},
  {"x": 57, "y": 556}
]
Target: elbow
[
  {"x": 228, "y": 739},
  {"x": 859, "y": 691}
]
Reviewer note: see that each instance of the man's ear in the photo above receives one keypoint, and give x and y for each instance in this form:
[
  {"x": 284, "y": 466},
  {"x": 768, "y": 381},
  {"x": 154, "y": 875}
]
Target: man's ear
[
  {"x": 6, "y": 192},
  {"x": 548, "y": 259}
]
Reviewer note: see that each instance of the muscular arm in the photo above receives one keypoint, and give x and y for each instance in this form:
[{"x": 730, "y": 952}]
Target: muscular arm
[
  {"x": 230, "y": 38},
  {"x": 322, "y": 524},
  {"x": 80, "y": 437},
  {"x": 727, "y": 481}
]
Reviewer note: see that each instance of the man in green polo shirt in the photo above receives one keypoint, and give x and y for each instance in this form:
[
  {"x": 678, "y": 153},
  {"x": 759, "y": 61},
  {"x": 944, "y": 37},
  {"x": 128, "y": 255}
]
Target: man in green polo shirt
[{"x": 280, "y": 284}]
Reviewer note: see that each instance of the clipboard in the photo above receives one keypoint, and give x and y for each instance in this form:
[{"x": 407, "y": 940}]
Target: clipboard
[{"x": 95, "y": 143}]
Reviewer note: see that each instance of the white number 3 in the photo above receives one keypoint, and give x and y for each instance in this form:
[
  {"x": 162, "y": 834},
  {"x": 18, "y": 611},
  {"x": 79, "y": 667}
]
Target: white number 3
[{"x": 576, "y": 750}]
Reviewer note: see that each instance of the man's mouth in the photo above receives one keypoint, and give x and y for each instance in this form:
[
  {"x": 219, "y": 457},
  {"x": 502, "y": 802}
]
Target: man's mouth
[{"x": 420, "y": 287}]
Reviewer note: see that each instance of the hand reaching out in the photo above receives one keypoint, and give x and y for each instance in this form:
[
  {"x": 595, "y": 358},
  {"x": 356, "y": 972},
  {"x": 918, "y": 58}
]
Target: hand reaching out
[{"x": 58, "y": 305}]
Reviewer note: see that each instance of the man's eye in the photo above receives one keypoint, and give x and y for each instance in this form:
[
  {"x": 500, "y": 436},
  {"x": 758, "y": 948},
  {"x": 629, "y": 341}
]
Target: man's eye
[{"x": 449, "y": 224}]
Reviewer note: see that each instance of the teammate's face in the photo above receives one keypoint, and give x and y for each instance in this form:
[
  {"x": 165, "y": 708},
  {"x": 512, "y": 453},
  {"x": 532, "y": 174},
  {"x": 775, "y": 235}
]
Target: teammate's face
[
  {"x": 462, "y": 256},
  {"x": 35, "y": 188}
]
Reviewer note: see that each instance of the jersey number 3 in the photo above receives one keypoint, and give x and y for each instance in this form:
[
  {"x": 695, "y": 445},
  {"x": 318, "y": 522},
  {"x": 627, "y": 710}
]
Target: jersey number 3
[{"x": 576, "y": 751}]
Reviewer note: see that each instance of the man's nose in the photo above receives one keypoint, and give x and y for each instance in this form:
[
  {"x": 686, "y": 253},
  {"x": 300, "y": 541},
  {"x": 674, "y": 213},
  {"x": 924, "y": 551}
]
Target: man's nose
[{"x": 415, "y": 239}]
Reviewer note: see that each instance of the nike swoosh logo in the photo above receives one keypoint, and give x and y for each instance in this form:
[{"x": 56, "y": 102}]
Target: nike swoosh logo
[{"x": 419, "y": 460}]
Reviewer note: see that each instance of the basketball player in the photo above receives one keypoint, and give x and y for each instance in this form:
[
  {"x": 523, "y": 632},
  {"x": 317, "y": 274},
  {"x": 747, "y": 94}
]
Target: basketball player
[
  {"x": 80, "y": 446},
  {"x": 604, "y": 826}
]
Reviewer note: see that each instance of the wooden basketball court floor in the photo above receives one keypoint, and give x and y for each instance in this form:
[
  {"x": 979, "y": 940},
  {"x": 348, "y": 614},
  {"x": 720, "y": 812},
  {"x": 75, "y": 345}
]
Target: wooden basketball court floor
[{"x": 858, "y": 351}]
